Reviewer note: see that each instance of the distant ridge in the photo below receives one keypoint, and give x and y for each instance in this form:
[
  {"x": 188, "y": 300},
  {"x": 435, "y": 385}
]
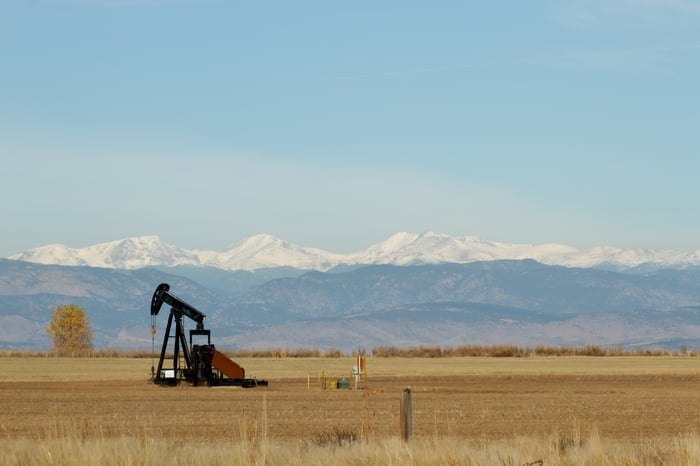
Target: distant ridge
[
  {"x": 516, "y": 302},
  {"x": 267, "y": 251}
]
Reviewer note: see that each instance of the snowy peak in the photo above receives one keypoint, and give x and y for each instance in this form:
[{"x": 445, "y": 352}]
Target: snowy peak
[
  {"x": 430, "y": 247},
  {"x": 143, "y": 251},
  {"x": 129, "y": 253},
  {"x": 261, "y": 251},
  {"x": 258, "y": 244},
  {"x": 51, "y": 254},
  {"x": 410, "y": 248},
  {"x": 265, "y": 251}
]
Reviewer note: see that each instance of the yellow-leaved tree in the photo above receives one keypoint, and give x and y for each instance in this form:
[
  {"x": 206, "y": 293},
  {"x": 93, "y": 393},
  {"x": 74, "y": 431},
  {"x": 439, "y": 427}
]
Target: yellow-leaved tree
[{"x": 70, "y": 330}]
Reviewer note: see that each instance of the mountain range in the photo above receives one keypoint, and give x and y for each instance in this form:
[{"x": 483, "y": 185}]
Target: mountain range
[
  {"x": 266, "y": 251},
  {"x": 411, "y": 289}
]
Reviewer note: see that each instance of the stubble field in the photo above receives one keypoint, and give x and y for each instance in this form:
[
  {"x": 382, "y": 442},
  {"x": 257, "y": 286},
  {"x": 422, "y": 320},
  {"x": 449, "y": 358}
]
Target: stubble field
[{"x": 558, "y": 410}]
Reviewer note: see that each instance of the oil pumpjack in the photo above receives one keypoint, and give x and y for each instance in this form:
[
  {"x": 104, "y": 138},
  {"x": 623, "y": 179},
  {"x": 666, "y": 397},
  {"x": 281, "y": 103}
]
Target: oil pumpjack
[{"x": 198, "y": 364}]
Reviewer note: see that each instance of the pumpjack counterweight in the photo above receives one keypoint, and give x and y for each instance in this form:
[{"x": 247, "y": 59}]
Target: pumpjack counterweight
[{"x": 200, "y": 364}]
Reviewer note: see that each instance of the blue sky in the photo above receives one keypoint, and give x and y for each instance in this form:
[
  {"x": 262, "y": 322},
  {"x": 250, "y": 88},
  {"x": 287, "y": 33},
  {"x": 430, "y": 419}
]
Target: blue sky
[{"x": 335, "y": 124}]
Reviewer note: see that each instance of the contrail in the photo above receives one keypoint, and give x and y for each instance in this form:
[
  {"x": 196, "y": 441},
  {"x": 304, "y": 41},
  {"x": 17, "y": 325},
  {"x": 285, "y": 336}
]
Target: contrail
[{"x": 515, "y": 61}]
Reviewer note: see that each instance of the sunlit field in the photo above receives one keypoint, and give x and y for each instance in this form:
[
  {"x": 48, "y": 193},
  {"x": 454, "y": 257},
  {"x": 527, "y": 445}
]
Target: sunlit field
[{"x": 466, "y": 410}]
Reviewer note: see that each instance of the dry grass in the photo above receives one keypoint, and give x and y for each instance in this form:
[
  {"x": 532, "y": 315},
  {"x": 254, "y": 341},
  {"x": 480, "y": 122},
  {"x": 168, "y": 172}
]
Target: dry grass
[
  {"x": 85, "y": 369},
  {"x": 631, "y": 410},
  {"x": 69, "y": 444}
]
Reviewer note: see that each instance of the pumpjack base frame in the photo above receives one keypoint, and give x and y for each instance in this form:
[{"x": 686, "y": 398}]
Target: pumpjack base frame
[
  {"x": 214, "y": 382},
  {"x": 245, "y": 383}
]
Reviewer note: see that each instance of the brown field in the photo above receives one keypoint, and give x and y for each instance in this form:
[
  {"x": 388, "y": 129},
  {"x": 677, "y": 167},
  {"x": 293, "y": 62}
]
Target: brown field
[{"x": 647, "y": 404}]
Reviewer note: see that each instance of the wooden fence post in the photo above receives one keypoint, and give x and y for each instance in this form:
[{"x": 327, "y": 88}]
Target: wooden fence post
[{"x": 406, "y": 415}]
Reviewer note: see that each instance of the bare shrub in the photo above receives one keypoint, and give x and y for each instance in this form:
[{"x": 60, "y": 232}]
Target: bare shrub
[
  {"x": 507, "y": 351},
  {"x": 305, "y": 353},
  {"x": 385, "y": 351},
  {"x": 591, "y": 350},
  {"x": 333, "y": 353},
  {"x": 470, "y": 350},
  {"x": 544, "y": 350},
  {"x": 423, "y": 352}
]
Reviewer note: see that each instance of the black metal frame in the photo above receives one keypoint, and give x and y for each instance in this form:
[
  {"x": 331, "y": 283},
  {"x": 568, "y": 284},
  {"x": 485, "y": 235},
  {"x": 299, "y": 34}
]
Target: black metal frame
[{"x": 197, "y": 360}]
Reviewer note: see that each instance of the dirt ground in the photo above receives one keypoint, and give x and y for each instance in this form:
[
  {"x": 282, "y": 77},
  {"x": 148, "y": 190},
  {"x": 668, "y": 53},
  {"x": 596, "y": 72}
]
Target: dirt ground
[{"x": 627, "y": 407}]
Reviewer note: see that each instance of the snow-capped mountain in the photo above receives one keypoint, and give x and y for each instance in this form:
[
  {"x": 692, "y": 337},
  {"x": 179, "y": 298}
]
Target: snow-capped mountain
[
  {"x": 431, "y": 248},
  {"x": 265, "y": 251},
  {"x": 129, "y": 253},
  {"x": 255, "y": 252}
]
